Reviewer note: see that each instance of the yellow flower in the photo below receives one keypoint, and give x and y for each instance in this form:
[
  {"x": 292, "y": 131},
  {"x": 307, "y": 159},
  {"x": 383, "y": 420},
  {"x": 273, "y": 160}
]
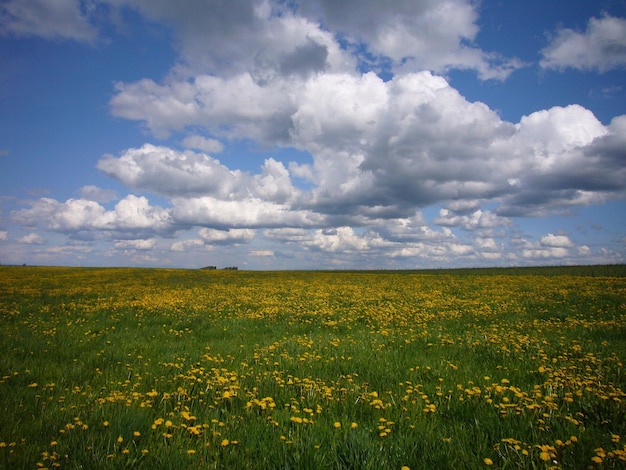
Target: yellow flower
[
  {"x": 488, "y": 461},
  {"x": 337, "y": 424},
  {"x": 136, "y": 434},
  {"x": 596, "y": 459},
  {"x": 405, "y": 467},
  {"x": 191, "y": 451},
  {"x": 144, "y": 451},
  {"x": 225, "y": 442},
  {"x": 120, "y": 440},
  {"x": 105, "y": 424},
  {"x": 354, "y": 425}
]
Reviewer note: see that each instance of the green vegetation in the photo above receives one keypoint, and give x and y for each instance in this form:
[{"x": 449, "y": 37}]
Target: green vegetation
[{"x": 156, "y": 368}]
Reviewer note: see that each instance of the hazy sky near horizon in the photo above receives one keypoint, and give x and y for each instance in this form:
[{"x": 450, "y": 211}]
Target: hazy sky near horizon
[{"x": 310, "y": 134}]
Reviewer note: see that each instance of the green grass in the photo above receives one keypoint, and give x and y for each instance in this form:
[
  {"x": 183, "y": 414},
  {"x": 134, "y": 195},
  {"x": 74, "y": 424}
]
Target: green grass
[{"x": 141, "y": 368}]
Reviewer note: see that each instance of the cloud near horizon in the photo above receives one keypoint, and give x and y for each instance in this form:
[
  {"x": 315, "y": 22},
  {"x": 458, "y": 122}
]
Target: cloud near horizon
[{"x": 381, "y": 151}]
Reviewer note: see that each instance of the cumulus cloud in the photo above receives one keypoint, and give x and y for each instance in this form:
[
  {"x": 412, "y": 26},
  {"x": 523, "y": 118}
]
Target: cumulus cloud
[
  {"x": 226, "y": 237},
  {"x": 552, "y": 240},
  {"x": 203, "y": 143},
  {"x": 431, "y": 34},
  {"x": 601, "y": 47},
  {"x": 143, "y": 245},
  {"x": 131, "y": 214},
  {"x": 94, "y": 193},
  {"x": 32, "y": 239},
  {"x": 381, "y": 149},
  {"x": 186, "y": 245},
  {"x": 50, "y": 19},
  {"x": 549, "y": 246}
]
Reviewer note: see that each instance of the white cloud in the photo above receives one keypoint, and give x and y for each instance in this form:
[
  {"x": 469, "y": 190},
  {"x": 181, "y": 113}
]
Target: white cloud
[
  {"x": 94, "y": 193},
  {"x": 383, "y": 149},
  {"x": 50, "y": 19},
  {"x": 263, "y": 253},
  {"x": 601, "y": 47},
  {"x": 202, "y": 143},
  {"x": 247, "y": 213},
  {"x": 549, "y": 246},
  {"x": 4, "y": 235},
  {"x": 144, "y": 245},
  {"x": 559, "y": 241},
  {"x": 31, "y": 239},
  {"x": 226, "y": 237},
  {"x": 430, "y": 34},
  {"x": 131, "y": 214},
  {"x": 186, "y": 245}
]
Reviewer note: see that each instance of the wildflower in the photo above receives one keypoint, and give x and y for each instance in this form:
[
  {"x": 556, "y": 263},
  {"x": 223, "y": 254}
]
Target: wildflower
[
  {"x": 120, "y": 439},
  {"x": 337, "y": 424},
  {"x": 405, "y": 467},
  {"x": 544, "y": 456},
  {"x": 488, "y": 461},
  {"x": 191, "y": 451},
  {"x": 53, "y": 443},
  {"x": 105, "y": 424},
  {"x": 596, "y": 459},
  {"x": 144, "y": 451},
  {"x": 136, "y": 434},
  {"x": 354, "y": 425},
  {"x": 225, "y": 443}
]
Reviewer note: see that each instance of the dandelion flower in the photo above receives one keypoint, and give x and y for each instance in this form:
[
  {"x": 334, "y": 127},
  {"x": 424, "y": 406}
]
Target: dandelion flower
[
  {"x": 544, "y": 456},
  {"x": 136, "y": 434},
  {"x": 105, "y": 424},
  {"x": 225, "y": 442},
  {"x": 191, "y": 451},
  {"x": 488, "y": 461},
  {"x": 337, "y": 424},
  {"x": 354, "y": 425},
  {"x": 406, "y": 467},
  {"x": 120, "y": 440}
]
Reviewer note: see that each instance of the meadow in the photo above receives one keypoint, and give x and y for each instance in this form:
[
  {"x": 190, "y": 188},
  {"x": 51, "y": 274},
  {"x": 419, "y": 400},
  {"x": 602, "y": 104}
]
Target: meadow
[{"x": 159, "y": 368}]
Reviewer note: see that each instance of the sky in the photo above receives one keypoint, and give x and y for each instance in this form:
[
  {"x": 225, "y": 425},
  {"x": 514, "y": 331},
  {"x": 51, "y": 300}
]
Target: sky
[{"x": 312, "y": 134}]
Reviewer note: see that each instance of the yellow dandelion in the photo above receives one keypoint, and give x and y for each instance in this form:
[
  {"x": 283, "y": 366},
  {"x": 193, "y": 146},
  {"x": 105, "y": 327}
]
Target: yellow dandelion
[
  {"x": 225, "y": 442},
  {"x": 136, "y": 434},
  {"x": 596, "y": 459},
  {"x": 120, "y": 440},
  {"x": 544, "y": 456},
  {"x": 354, "y": 425},
  {"x": 488, "y": 461},
  {"x": 405, "y": 467},
  {"x": 191, "y": 451},
  {"x": 105, "y": 424},
  {"x": 144, "y": 451},
  {"x": 337, "y": 424}
]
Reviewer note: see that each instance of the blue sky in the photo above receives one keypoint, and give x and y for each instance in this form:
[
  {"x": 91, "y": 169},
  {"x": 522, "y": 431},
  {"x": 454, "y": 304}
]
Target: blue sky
[{"x": 312, "y": 133}]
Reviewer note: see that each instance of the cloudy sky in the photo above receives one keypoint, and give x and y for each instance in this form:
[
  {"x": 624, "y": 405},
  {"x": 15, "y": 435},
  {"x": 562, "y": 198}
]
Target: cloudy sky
[{"x": 295, "y": 134}]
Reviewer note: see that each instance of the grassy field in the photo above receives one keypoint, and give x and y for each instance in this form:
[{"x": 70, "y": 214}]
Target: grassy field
[{"x": 141, "y": 368}]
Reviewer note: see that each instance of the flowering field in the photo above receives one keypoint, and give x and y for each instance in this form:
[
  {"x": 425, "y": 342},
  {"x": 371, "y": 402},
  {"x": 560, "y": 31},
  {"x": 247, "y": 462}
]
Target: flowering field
[{"x": 111, "y": 368}]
